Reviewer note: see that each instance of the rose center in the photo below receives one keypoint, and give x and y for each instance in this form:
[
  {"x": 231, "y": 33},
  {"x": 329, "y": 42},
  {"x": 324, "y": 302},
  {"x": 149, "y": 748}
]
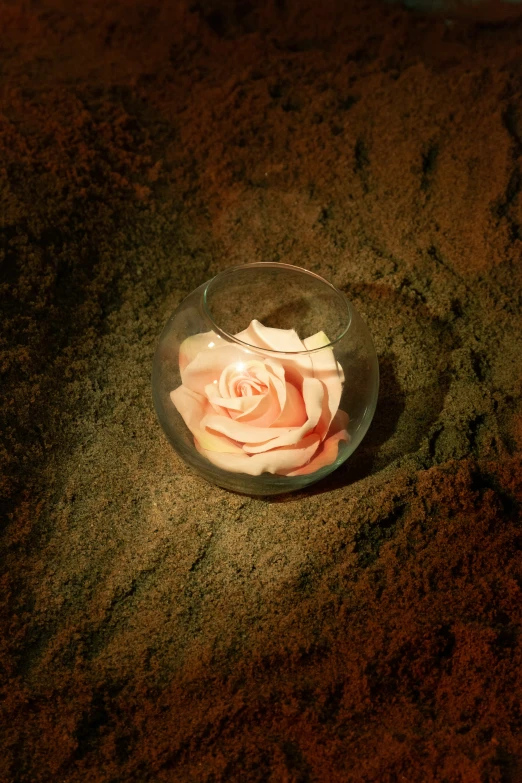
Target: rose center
[
  {"x": 248, "y": 385},
  {"x": 244, "y": 379}
]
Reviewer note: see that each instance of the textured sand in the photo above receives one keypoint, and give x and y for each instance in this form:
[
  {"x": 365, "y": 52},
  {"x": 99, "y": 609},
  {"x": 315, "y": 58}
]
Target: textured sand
[{"x": 156, "y": 628}]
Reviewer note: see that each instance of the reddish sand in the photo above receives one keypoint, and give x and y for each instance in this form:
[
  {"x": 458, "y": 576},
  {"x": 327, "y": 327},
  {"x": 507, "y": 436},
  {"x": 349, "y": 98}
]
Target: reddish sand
[{"x": 156, "y": 628}]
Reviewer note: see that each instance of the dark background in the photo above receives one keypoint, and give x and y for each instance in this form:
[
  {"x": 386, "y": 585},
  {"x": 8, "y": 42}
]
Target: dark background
[{"x": 155, "y": 628}]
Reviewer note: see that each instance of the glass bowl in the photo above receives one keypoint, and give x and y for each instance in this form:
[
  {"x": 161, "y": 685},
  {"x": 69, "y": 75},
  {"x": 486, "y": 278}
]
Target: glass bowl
[{"x": 265, "y": 379}]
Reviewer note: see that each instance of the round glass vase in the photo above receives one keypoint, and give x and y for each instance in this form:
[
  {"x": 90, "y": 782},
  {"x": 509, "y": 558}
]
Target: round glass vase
[{"x": 265, "y": 379}]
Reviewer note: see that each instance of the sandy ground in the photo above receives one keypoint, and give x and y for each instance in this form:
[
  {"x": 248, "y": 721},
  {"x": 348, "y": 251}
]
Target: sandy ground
[{"x": 156, "y": 628}]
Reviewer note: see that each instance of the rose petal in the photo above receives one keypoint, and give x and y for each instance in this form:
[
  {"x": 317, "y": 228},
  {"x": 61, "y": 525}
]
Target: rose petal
[
  {"x": 243, "y": 432},
  {"x": 261, "y": 409},
  {"x": 265, "y": 413},
  {"x": 313, "y": 393},
  {"x": 326, "y": 369},
  {"x": 208, "y": 365},
  {"x": 238, "y": 405},
  {"x": 284, "y": 341},
  {"x": 326, "y": 454},
  {"x": 192, "y": 407},
  {"x": 277, "y": 376},
  {"x": 271, "y": 437},
  {"x": 276, "y": 461},
  {"x": 192, "y": 346},
  {"x": 294, "y": 411},
  {"x": 329, "y": 448}
]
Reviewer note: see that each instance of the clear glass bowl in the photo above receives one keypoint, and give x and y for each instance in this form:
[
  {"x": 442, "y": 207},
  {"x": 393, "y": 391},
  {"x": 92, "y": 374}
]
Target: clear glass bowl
[{"x": 265, "y": 379}]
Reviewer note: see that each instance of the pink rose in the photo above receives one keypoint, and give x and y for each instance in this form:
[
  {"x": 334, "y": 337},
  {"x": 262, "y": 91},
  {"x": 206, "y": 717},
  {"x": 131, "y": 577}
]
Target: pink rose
[{"x": 254, "y": 411}]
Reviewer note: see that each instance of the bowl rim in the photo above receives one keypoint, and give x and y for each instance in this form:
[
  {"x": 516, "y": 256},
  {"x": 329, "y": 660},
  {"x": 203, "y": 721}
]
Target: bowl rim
[{"x": 276, "y": 265}]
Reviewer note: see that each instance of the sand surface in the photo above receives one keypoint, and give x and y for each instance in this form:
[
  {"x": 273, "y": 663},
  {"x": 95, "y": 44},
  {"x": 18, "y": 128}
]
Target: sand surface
[{"x": 154, "y": 627}]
